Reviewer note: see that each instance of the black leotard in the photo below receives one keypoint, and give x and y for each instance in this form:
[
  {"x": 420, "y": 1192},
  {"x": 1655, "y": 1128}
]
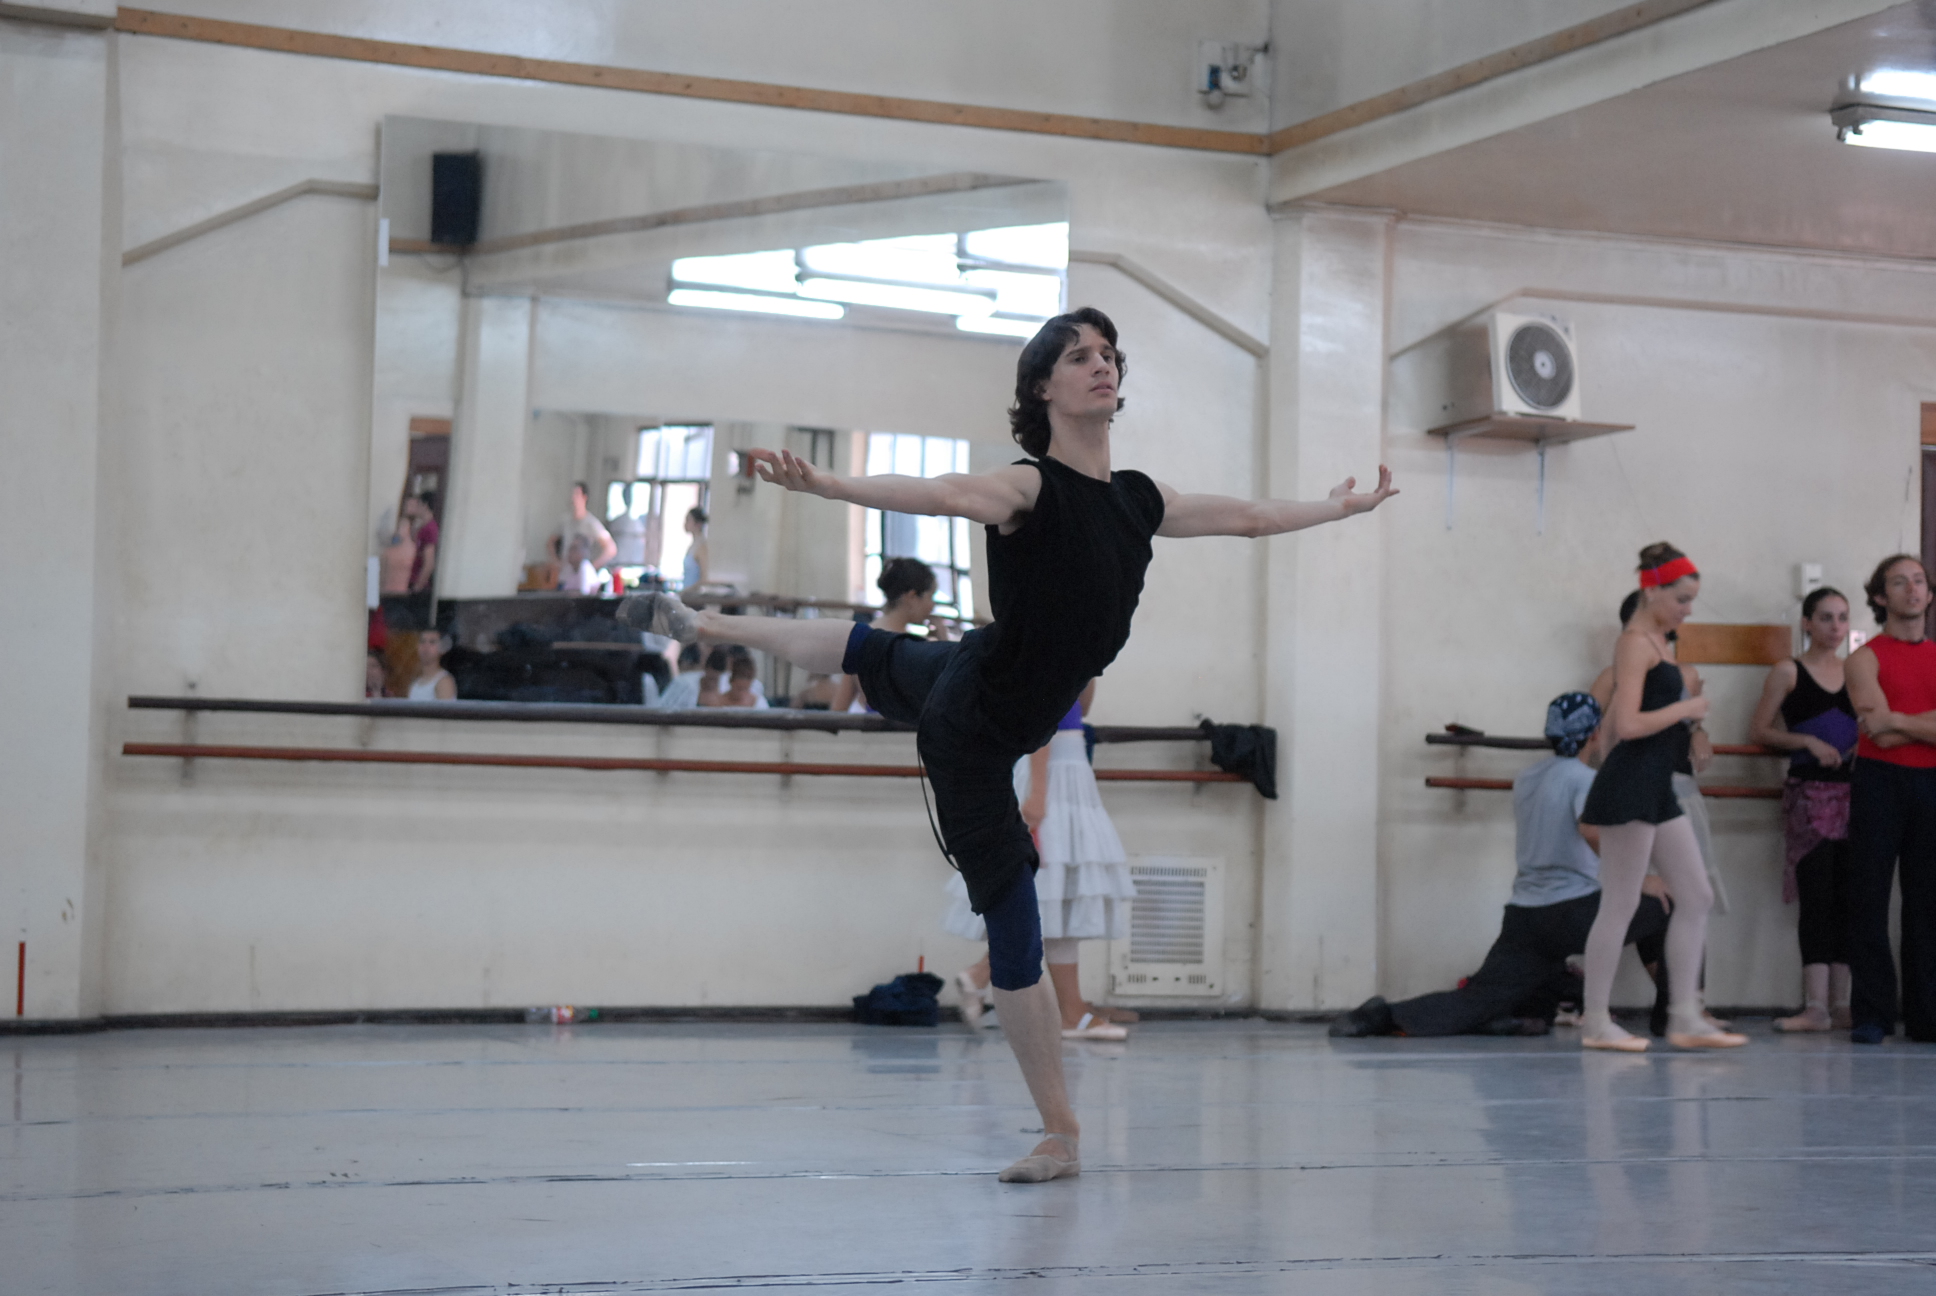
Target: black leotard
[{"x": 1637, "y": 780}]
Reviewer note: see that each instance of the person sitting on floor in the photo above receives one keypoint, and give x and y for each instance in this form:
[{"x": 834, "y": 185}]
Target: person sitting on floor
[
  {"x": 1554, "y": 900},
  {"x": 682, "y": 694}
]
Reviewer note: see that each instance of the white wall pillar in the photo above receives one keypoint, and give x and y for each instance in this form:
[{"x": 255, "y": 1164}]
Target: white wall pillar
[
  {"x": 53, "y": 160},
  {"x": 1323, "y": 594},
  {"x": 483, "y": 548}
]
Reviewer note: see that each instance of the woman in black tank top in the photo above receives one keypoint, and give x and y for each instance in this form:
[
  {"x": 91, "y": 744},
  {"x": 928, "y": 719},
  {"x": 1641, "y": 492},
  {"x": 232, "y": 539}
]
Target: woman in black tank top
[
  {"x": 1805, "y": 710},
  {"x": 1068, "y": 543},
  {"x": 1632, "y": 803}
]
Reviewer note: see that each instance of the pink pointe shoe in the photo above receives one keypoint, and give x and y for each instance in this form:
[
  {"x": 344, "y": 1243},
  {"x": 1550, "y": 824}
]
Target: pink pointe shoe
[
  {"x": 1091, "y": 1029},
  {"x": 1039, "y": 1167}
]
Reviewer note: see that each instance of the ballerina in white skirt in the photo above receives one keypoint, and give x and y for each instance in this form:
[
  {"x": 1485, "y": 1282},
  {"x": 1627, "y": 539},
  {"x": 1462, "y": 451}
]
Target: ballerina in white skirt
[{"x": 1083, "y": 885}]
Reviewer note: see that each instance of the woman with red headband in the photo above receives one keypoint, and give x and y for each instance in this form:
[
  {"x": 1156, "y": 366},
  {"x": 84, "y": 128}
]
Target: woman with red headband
[{"x": 1639, "y": 818}]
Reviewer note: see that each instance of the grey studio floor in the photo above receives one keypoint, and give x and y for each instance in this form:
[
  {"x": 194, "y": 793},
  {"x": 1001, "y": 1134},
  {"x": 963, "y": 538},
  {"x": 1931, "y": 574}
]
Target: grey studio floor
[{"x": 1220, "y": 1156}]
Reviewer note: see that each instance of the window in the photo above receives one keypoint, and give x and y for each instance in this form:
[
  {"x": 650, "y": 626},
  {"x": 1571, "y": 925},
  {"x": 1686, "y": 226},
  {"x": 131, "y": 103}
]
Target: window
[
  {"x": 1004, "y": 281},
  {"x": 672, "y": 477},
  {"x": 940, "y": 542}
]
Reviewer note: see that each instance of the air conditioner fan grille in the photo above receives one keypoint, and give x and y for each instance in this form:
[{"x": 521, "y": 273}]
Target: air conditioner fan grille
[{"x": 1540, "y": 364}]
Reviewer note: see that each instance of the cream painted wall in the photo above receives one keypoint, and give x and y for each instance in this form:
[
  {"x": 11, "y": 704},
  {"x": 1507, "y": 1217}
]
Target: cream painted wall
[
  {"x": 56, "y": 286},
  {"x": 1761, "y": 442},
  {"x": 1095, "y": 58},
  {"x": 237, "y": 500},
  {"x": 374, "y": 890}
]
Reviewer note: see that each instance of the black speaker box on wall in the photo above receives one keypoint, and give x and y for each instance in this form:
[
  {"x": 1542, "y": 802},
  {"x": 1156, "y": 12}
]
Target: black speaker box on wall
[{"x": 456, "y": 195}]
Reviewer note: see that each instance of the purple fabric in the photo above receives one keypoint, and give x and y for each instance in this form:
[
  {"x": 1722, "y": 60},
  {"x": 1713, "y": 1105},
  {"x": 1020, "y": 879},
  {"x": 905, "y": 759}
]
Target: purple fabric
[
  {"x": 1812, "y": 811},
  {"x": 1834, "y": 727},
  {"x": 1071, "y": 721}
]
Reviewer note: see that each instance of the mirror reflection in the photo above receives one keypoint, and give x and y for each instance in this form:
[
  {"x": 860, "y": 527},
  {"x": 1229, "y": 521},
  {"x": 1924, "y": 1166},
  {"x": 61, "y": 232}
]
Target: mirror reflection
[{"x": 578, "y": 338}]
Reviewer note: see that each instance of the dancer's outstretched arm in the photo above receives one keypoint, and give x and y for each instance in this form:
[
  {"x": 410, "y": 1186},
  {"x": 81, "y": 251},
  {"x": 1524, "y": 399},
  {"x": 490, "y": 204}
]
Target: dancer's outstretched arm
[
  {"x": 1219, "y": 515},
  {"x": 997, "y": 498}
]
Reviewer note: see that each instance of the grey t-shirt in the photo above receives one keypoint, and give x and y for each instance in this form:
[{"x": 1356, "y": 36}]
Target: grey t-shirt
[{"x": 1555, "y": 863}]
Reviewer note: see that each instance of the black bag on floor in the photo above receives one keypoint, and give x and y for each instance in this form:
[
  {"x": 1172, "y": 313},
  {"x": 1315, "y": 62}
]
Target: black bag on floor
[{"x": 907, "y": 1000}]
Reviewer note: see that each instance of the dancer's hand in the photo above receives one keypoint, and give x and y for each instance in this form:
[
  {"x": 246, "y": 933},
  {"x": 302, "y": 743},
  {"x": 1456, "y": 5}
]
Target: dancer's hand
[
  {"x": 1654, "y": 886},
  {"x": 1695, "y": 708},
  {"x": 1363, "y": 503},
  {"x": 784, "y": 468},
  {"x": 1825, "y": 755}
]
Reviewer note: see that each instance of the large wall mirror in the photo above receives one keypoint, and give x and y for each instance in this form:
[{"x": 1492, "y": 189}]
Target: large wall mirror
[{"x": 577, "y": 337}]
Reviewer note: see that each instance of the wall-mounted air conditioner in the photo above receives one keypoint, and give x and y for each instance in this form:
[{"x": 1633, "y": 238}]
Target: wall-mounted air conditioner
[
  {"x": 1175, "y": 944},
  {"x": 1518, "y": 365}
]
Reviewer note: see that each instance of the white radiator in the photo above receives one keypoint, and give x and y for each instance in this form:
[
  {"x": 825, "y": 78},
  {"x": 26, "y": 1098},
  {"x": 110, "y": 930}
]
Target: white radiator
[{"x": 1175, "y": 944}]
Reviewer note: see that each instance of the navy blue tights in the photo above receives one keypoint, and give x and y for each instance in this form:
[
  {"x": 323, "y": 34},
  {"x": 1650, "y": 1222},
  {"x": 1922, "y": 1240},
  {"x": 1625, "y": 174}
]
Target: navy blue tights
[{"x": 1015, "y": 935}]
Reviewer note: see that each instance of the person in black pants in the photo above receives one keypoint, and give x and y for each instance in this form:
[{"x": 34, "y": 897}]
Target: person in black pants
[
  {"x": 1068, "y": 544},
  {"x": 1556, "y": 897},
  {"x": 1892, "y": 809}
]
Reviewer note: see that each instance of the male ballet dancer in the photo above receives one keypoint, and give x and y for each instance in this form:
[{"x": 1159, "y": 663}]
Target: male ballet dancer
[{"x": 1068, "y": 543}]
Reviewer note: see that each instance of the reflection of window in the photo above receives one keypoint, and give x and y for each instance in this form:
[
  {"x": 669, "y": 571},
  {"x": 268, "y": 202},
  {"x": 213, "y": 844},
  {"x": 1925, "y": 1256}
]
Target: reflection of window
[
  {"x": 674, "y": 470},
  {"x": 940, "y": 542},
  {"x": 1004, "y": 281}
]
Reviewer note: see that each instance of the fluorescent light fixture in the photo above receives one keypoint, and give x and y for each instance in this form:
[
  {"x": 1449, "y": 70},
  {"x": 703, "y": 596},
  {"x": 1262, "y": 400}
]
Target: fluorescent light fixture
[
  {"x": 1020, "y": 293},
  {"x": 1017, "y": 328},
  {"x": 862, "y": 292},
  {"x": 758, "y": 271},
  {"x": 1900, "y": 83},
  {"x": 1872, "y": 126},
  {"x": 711, "y": 300}
]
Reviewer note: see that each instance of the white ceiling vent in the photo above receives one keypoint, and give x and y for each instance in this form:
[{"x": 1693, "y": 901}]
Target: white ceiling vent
[{"x": 1175, "y": 944}]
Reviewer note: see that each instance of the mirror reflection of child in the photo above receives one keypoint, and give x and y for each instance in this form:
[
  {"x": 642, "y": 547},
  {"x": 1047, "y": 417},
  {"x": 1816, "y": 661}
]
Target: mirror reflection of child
[
  {"x": 578, "y": 576},
  {"x": 433, "y": 682}
]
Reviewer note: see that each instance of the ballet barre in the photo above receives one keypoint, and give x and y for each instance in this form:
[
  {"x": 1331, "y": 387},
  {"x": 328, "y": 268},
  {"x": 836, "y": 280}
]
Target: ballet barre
[
  {"x": 775, "y": 719},
  {"x": 1723, "y": 792},
  {"x": 364, "y": 756},
  {"x": 1540, "y": 744}
]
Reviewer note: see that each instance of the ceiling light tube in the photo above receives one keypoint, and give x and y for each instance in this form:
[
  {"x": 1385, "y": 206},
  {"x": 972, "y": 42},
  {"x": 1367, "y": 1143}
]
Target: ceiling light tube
[
  {"x": 710, "y": 299},
  {"x": 1873, "y": 126}
]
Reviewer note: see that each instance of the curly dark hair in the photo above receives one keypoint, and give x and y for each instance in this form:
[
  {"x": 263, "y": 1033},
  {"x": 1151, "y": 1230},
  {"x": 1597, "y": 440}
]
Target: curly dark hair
[
  {"x": 1028, "y": 417},
  {"x": 1878, "y": 582}
]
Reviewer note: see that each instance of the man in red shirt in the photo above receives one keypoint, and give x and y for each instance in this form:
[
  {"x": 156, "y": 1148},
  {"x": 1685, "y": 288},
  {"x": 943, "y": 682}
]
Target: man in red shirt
[{"x": 1892, "y": 810}]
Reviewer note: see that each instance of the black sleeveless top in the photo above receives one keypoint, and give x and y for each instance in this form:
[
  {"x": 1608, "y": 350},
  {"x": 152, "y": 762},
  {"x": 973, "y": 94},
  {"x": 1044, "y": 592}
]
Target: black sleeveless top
[
  {"x": 1813, "y": 710},
  {"x": 1063, "y": 586},
  {"x": 1636, "y": 781}
]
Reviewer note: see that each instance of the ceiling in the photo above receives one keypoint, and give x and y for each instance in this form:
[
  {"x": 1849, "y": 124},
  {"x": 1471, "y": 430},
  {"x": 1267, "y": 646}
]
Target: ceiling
[{"x": 1738, "y": 152}]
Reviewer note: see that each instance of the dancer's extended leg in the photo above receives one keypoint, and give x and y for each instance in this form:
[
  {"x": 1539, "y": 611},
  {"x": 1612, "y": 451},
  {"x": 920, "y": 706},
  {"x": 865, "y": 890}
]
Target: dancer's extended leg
[
  {"x": 813, "y": 645},
  {"x": 1624, "y": 850}
]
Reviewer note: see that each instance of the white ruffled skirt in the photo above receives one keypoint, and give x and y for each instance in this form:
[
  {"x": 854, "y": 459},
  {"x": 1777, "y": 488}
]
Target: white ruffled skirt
[{"x": 1083, "y": 885}]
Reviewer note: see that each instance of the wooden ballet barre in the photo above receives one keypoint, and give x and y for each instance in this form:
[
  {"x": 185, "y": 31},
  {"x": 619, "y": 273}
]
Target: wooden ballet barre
[
  {"x": 1721, "y": 792},
  {"x": 1540, "y": 744},
  {"x": 363, "y": 756}
]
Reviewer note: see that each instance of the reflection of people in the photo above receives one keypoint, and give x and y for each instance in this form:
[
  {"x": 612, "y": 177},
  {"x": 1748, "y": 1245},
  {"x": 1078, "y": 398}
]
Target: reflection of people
[
  {"x": 908, "y": 586},
  {"x": 1082, "y": 885},
  {"x": 1555, "y": 898},
  {"x": 698, "y": 565},
  {"x": 433, "y": 682},
  {"x": 1805, "y": 710},
  {"x": 1892, "y": 808},
  {"x": 742, "y": 683},
  {"x": 600, "y": 548},
  {"x": 576, "y": 575},
  {"x": 408, "y": 564},
  {"x": 1068, "y": 546},
  {"x": 422, "y": 512},
  {"x": 373, "y": 674},
  {"x": 683, "y": 693},
  {"x": 1633, "y": 805}
]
